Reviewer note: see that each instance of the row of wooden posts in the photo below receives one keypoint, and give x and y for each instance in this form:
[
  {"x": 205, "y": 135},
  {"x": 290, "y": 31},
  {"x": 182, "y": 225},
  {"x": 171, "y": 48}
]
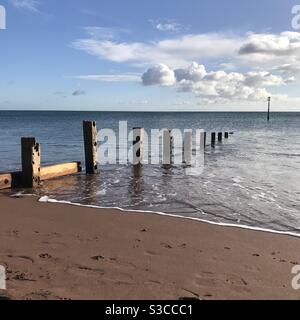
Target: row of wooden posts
[{"x": 33, "y": 173}]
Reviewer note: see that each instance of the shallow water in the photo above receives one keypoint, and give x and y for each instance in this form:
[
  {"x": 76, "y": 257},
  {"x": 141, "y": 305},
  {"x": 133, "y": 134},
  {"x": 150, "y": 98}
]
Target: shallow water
[{"x": 251, "y": 179}]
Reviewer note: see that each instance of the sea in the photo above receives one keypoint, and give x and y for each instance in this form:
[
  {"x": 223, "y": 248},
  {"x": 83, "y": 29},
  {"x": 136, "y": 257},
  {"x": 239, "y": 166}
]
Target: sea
[{"x": 251, "y": 179}]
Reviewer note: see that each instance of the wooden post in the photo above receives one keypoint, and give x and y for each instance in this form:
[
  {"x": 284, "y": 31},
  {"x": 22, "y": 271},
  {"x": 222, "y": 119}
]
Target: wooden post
[
  {"x": 188, "y": 147},
  {"x": 10, "y": 180},
  {"x": 31, "y": 163},
  {"x": 138, "y": 151},
  {"x": 220, "y": 136},
  {"x": 213, "y": 138},
  {"x": 60, "y": 170},
  {"x": 226, "y": 135},
  {"x": 205, "y": 139},
  {"x": 90, "y": 146}
]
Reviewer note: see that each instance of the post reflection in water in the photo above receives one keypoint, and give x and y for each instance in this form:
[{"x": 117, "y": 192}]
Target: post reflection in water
[
  {"x": 85, "y": 187},
  {"x": 136, "y": 185}
]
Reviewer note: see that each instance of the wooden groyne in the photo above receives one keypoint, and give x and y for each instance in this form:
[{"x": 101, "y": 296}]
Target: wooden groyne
[{"x": 33, "y": 172}]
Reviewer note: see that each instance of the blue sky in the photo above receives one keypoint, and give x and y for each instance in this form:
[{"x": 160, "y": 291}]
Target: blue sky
[{"x": 149, "y": 55}]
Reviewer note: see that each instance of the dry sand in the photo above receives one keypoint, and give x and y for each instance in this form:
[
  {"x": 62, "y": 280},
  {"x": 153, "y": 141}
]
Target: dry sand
[{"x": 55, "y": 251}]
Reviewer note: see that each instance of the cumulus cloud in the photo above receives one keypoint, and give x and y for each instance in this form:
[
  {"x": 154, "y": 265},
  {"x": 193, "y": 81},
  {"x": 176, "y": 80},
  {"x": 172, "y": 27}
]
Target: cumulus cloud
[
  {"x": 78, "y": 92},
  {"x": 195, "y": 72},
  {"x": 215, "y": 84},
  {"x": 31, "y": 5},
  {"x": 159, "y": 75}
]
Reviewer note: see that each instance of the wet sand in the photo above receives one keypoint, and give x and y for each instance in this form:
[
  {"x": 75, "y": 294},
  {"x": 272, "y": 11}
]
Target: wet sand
[{"x": 55, "y": 251}]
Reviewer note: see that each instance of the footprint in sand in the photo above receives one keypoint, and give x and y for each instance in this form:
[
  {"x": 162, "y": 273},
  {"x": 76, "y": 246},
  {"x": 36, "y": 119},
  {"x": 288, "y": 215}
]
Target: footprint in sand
[
  {"x": 213, "y": 281},
  {"x": 150, "y": 253},
  {"x": 151, "y": 282},
  {"x": 114, "y": 262},
  {"x": 98, "y": 270},
  {"x": 183, "y": 246},
  {"x": 45, "y": 256},
  {"x": 13, "y": 233},
  {"x": 21, "y": 257},
  {"x": 21, "y": 276},
  {"x": 166, "y": 245},
  {"x": 98, "y": 258}
]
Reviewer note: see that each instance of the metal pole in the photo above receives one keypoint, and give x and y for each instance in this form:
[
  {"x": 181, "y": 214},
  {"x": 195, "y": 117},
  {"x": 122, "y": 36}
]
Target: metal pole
[{"x": 269, "y": 106}]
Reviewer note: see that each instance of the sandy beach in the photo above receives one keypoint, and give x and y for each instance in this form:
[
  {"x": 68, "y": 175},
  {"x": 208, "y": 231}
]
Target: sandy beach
[{"x": 55, "y": 251}]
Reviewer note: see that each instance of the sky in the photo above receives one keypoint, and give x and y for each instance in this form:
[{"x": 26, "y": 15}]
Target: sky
[{"x": 136, "y": 55}]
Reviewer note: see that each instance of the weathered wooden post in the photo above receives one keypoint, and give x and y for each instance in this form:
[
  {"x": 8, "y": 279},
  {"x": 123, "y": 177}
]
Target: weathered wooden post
[
  {"x": 213, "y": 138},
  {"x": 31, "y": 163},
  {"x": 220, "y": 136},
  {"x": 205, "y": 139},
  {"x": 226, "y": 135},
  {"x": 138, "y": 151},
  {"x": 90, "y": 146},
  {"x": 10, "y": 180},
  {"x": 188, "y": 147},
  {"x": 60, "y": 170}
]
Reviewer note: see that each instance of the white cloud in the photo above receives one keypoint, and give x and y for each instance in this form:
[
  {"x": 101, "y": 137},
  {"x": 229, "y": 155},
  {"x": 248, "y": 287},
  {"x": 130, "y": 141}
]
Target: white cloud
[
  {"x": 159, "y": 75},
  {"x": 267, "y": 60},
  {"x": 289, "y": 69},
  {"x": 214, "y": 85},
  {"x": 105, "y": 33},
  {"x": 273, "y": 52},
  {"x": 111, "y": 77},
  {"x": 256, "y": 51},
  {"x": 178, "y": 52},
  {"x": 195, "y": 72},
  {"x": 285, "y": 43},
  {"x": 263, "y": 79},
  {"x": 167, "y": 25},
  {"x": 31, "y": 5}
]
